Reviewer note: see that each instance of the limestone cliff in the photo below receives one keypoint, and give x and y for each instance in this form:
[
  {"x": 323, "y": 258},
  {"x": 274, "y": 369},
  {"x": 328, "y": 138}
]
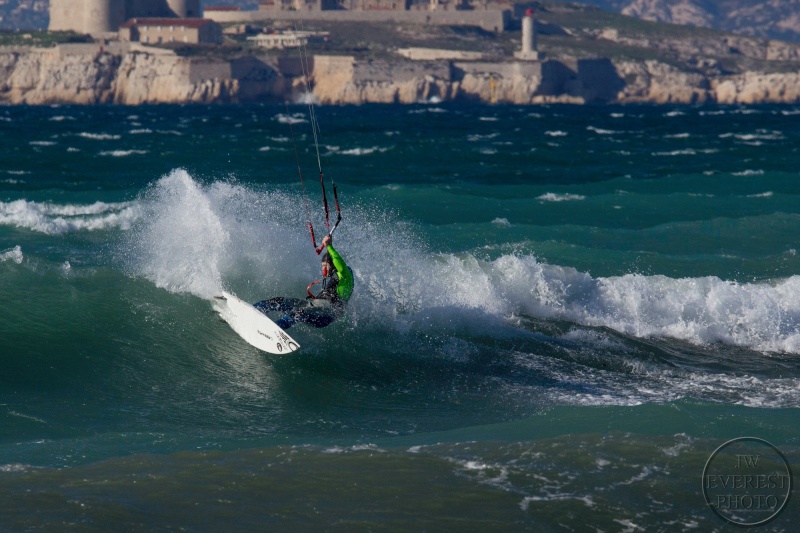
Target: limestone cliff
[
  {"x": 92, "y": 74},
  {"x": 131, "y": 75}
]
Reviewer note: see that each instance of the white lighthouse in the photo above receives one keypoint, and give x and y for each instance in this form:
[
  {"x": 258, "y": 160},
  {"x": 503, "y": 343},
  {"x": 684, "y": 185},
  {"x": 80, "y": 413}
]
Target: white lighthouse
[{"x": 530, "y": 48}]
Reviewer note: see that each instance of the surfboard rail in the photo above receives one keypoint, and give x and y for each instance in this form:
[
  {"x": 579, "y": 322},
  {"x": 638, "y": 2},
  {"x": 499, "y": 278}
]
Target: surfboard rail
[{"x": 253, "y": 326}]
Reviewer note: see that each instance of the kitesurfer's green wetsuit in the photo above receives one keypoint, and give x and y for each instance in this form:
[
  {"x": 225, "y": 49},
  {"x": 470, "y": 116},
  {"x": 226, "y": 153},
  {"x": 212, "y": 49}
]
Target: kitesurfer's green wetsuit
[{"x": 344, "y": 283}]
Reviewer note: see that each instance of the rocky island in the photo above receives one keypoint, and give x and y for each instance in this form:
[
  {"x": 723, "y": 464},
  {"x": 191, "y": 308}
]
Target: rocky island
[{"x": 584, "y": 55}]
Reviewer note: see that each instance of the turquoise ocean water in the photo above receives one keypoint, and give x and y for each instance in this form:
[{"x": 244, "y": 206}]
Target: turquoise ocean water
[{"x": 560, "y": 313}]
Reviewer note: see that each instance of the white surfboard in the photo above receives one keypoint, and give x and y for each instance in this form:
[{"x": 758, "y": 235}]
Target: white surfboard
[{"x": 253, "y": 326}]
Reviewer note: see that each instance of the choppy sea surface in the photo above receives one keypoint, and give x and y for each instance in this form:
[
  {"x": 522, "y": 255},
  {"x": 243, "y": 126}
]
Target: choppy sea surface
[{"x": 560, "y": 313}]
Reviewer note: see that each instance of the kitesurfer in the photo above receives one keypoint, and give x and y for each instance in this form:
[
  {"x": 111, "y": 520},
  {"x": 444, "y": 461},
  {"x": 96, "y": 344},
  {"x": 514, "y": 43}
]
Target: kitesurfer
[{"x": 322, "y": 309}]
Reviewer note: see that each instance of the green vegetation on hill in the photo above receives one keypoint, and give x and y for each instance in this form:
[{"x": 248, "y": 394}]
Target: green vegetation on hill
[{"x": 42, "y": 39}]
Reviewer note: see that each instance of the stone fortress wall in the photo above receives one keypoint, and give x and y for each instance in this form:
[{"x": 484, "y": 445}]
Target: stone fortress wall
[
  {"x": 494, "y": 20},
  {"x": 97, "y": 17}
]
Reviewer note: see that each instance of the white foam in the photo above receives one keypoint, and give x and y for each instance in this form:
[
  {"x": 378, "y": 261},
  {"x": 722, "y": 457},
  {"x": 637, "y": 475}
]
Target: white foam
[
  {"x": 13, "y": 254},
  {"x": 55, "y": 219},
  {"x": 99, "y": 136},
  {"x": 699, "y": 310},
  {"x": 122, "y": 153},
  {"x": 526, "y": 501},
  {"x": 427, "y": 110},
  {"x": 759, "y": 316},
  {"x": 502, "y": 222},
  {"x": 478, "y": 137},
  {"x": 760, "y": 135},
  {"x": 29, "y": 417},
  {"x": 553, "y": 197},
  {"x": 15, "y": 467},
  {"x": 351, "y": 449},
  {"x": 306, "y": 98},
  {"x": 295, "y": 118},
  {"x": 601, "y": 131},
  {"x": 363, "y": 151},
  {"x": 685, "y": 151}
]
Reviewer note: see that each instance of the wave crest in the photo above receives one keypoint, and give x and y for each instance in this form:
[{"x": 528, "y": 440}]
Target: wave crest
[{"x": 55, "y": 219}]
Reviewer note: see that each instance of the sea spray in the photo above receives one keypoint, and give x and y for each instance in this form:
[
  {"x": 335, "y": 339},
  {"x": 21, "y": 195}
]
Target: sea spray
[{"x": 179, "y": 241}]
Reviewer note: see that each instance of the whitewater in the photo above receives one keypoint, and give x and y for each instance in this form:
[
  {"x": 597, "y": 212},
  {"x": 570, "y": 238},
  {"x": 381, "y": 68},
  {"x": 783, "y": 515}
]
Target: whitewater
[{"x": 186, "y": 237}]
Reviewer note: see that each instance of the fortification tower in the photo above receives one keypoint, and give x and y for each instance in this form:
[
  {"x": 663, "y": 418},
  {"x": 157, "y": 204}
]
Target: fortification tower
[
  {"x": 86, "y": 16},
  {"x": 96, "y": 17},
  {"x": 103, "y": 16},
  {"x": 186, "y": 8}
]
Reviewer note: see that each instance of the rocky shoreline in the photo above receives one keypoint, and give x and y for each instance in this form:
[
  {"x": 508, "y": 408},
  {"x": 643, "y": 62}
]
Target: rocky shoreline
[{"x": 131, "y": 74}]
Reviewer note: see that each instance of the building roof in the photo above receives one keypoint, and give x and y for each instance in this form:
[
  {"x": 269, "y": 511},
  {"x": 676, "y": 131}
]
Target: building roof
[
  {"x": 221, "y": 8},
  {"x": 186, "y": 23}
]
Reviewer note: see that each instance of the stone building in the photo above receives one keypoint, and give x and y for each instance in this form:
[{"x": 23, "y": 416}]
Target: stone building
[
  {"x": 97, "y": 17},
  {"x": 171, "y": 30},
  {"x": 297, "y": 5},
  {"x": 364, "y": 5}
]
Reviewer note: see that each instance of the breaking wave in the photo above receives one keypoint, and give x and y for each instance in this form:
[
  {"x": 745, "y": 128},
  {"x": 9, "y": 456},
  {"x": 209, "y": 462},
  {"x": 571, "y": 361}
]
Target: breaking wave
[
  {"x": 54, "y": 219},
  {"x": 201, "y": 238}
]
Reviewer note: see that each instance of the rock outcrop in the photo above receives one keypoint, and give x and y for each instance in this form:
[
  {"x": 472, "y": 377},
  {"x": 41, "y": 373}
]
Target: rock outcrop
[
  {"x": 93, "y": 74},
  {"x": 131, "y": 75}
]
